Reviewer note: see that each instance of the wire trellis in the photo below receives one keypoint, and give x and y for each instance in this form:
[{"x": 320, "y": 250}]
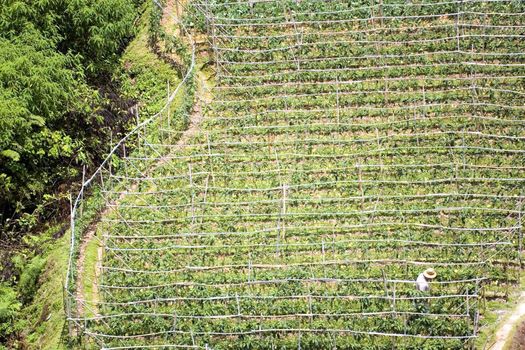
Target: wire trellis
[{"x": 345, "y": 150}]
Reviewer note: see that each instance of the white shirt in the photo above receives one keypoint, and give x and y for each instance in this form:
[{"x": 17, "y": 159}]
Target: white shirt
[{"x": 422, "y": 283}]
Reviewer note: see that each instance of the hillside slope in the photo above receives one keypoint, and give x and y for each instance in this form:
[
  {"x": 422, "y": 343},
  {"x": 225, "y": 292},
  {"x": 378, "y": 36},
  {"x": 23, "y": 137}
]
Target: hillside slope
[{"x": 348, "y": 147}]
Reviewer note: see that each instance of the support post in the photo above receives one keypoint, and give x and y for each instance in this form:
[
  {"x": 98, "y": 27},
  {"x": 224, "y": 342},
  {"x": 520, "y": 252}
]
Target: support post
[
  {"x": 360, "y": 184},
  {"x": 110, "y": 163},
  {"x": 310, "y": 310},
  {"x": 324, "y": 257},
  {"x": 192, "y": 195},
  {"x": 380, "y": 10},
  {"x": 238, "y": 305},
  {"x": 138, "y": 122},
  {"x": 520, "y": 235},
  {"x": 177, "y": 13},
  {"x": 68, "y": 304},
  {"x": 283, "y": 211},
  {"x": 210, "y": 157},
  {"x": 169, "y": 111},
  {"x": 394, "y": 298},
  {"x": 337, "y": 100},
  {"x": 102, "y": 180},
  {"x": 82, "y": 190},
  {"x": 298, "y": 41},
  {"x": 467, "y": 304},
  {"x": 459, "y": 11},
  {"x": 250, "y": 270},
  {"x": 125, "y": 162},
  {"x": 174, "y": 324},
  {"x": 385, "y": 284}
]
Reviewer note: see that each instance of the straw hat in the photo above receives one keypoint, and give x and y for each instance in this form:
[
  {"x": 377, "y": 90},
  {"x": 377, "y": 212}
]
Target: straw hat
[{"x": 430, "y": 273}]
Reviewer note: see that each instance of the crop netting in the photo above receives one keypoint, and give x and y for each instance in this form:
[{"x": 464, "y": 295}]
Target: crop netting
[{"x": 348, "y": 147}]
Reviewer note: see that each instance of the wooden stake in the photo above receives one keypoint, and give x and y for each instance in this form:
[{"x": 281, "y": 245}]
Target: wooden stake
[
  {"x": 72, "y": 223},
  {"x": 324, "y": 257},
  {"x": 82, "y": 190},
  {"x": 137, "y": 117},
  {"x": 192, "y": 196},
  {"x": 457, "y": 26},
  {"x": 203, "y": 209},
  {"x": 381, "y": 11},
  {"x": 520, "y": 235},
  {"x": 283, "y": 211},
  {"x": 337, "y": 99},
  {"x": 384, "y": 282},
  {"x": 310, "y": 307},
  {"x": 250, "y": 270},
  {"x": 298, "y": 42},
  {"x": 238, "y": 305},
  {"x": 174, "y": 324},
  {"x": 125, "y": 162},
  {"x": 110, "y": 147},
  {"x": 394, "y": 298},
  {"x": 467, "y": 303},
  {"x": 360, "y": 179},
  {"x": 169, "y": 111},
  {"x": 210, "y": 157},
  {"x": 101, "y": 180}
]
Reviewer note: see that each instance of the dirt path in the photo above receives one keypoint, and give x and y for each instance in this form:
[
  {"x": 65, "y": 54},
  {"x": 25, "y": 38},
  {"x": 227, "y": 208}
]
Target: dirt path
[
  {"x": 81, "y": 264},
  {"x": 193, "y": 127},
  {"x": 504, "y": 331},
  {"x": 168, "y": 14}
]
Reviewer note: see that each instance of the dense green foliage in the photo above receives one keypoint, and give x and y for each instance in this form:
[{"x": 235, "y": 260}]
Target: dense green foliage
[
  {"x": 28, "y": 283},
  {"x": 54, "y": 58},
  {"x": 9, "y": 310},
  {"x": 41, "y": 95},
  {"x": 36, "y": 271},
  {"x": 61, "y": 102},
  {"x": 97, "y": 30}
]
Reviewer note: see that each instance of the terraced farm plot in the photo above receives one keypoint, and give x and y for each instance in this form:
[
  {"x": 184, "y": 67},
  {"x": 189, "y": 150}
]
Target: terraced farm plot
[{"x": 348, "y": 146}]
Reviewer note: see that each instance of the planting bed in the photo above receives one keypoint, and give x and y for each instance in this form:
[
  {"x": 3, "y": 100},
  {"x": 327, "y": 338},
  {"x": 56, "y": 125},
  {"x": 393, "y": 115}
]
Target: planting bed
[{"x": 348, "y": 147}]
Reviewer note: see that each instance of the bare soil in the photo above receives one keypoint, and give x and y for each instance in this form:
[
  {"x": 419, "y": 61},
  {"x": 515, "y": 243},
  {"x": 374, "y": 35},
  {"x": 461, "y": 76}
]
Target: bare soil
[
  {"x": 518, "y": 340},
  {"x": 505, "y": 329}
]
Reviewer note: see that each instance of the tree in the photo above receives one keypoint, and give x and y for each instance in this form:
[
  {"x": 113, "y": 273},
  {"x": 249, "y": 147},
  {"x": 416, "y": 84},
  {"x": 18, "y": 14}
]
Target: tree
[
  {"x": 38, "y": 88},
  {"x": 97, "y": 30},
  {"x": 49, "y": 120}
]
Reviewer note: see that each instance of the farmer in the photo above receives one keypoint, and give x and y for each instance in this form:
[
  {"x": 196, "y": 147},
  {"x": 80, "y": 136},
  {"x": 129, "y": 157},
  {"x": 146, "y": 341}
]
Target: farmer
[{"x": 422, "y": 281}]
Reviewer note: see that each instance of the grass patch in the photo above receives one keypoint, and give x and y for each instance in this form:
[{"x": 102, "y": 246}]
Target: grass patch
[
  {"x": 45, "y": 316},
  {"x": 89, "y": 273},
  {"x": 143, "y": 76}
]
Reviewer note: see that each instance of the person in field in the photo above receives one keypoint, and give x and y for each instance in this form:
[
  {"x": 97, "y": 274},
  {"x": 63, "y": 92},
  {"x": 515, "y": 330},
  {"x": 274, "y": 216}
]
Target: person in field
[
  {"x": 422, "y": 303},
  {"x": 424, "y": 279}
]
